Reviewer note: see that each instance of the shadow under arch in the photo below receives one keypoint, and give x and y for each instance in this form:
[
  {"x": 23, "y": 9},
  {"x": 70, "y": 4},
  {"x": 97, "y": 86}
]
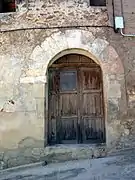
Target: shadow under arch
[{"x": 73, "y": 51}]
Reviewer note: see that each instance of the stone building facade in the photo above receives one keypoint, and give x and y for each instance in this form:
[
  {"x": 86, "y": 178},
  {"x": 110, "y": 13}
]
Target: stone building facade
[{"x": 32, "y": 39}]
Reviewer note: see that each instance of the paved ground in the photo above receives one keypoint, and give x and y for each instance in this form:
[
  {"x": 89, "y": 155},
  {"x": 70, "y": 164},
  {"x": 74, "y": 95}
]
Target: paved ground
[{"x": 120, "y": 167}]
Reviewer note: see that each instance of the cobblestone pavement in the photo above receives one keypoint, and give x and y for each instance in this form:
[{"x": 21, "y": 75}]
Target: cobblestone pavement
[{"x": 120, "y": 167}]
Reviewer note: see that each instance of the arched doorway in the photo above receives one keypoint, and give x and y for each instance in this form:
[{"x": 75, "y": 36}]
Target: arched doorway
[{"x": 76, "y": 107}]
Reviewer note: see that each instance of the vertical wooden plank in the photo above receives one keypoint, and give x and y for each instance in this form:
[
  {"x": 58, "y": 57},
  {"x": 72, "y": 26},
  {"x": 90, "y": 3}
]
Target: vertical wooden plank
[
  {"x": 80, "y": 107},
  {"x": 51, "y": 133},
  {"x": 53, "y": 106}
]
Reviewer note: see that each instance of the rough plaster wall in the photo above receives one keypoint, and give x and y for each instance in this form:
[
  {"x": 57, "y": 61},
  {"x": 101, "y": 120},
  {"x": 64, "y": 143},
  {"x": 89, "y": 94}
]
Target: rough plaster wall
[
  {"x": 23, "y": 101},
  {"x": 22, "y": 104},
  {"x": 18, "y": 102}
]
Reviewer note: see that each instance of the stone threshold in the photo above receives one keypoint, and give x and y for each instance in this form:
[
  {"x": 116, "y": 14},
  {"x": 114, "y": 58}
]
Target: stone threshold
[
  {"x": 51, "y": 154},
  {"x": 63, "y": 152}
]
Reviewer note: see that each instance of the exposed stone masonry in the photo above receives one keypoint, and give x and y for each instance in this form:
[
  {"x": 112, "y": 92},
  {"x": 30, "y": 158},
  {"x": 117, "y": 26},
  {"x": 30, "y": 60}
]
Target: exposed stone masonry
[{"x": 55, "y": 16}]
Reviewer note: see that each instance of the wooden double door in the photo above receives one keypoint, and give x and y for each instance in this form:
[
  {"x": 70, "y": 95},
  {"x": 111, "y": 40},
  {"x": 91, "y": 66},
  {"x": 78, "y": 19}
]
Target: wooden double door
[{"x": 76, "y": 112}]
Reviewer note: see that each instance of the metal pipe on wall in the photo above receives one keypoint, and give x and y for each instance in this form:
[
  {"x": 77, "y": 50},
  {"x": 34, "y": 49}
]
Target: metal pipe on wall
[
  {"x": 121, "y": 30},
  {"x": 126, "y": 35}
]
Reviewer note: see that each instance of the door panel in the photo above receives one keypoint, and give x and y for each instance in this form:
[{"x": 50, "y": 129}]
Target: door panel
[
  {"x": 92, "y": 105},
  {"x": 93, "y": 130},
  {"x": 91, "y": 78},
  {"x": 68, "y": 130},
  {"x": 68, "y": 117},
  {"x": 68, "y": 106},
  {"x": 53, "y": 105}
]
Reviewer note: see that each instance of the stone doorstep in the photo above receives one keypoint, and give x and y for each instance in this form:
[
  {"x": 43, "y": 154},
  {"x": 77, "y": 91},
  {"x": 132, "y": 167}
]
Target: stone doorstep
[
  {"x": 71, "y": 152},
  {"x": 51, "y": 154}
]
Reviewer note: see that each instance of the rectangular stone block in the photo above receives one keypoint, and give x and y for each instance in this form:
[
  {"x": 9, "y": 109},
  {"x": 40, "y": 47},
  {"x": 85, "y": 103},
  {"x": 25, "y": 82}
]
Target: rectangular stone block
[
  {"x": 39, "y": 90},
  {"x": 131, "y": 100},
  {"x": 114, "y": 89},
  {"x": 40, "y": 107}
]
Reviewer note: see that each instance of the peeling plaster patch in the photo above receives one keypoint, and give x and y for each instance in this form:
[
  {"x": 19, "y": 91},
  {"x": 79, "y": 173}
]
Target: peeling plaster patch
[
  {"x": 28, "y": 142},
  {"x": 9, "y": 106}
]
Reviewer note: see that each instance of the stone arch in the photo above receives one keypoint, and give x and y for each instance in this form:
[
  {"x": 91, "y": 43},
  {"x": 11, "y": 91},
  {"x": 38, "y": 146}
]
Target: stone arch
[
  {"x": 85, "y": 43},
  {"x": 71, "y": 40}
]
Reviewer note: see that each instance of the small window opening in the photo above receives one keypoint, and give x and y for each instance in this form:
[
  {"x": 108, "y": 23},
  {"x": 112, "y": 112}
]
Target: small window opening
[
  {"x": 7, "y": 6},
  {"x": 97, "y": 2}
]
